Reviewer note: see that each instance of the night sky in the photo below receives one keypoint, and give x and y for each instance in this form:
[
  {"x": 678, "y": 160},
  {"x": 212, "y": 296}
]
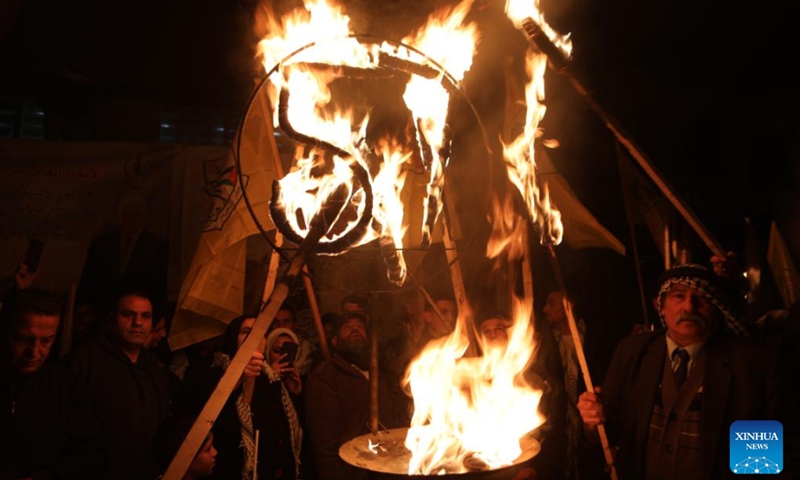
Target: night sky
[{"x": 707, "y": 89}]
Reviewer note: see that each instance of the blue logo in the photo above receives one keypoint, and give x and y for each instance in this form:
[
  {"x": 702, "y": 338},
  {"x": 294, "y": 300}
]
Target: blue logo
[{"x": 756, "y": 447}]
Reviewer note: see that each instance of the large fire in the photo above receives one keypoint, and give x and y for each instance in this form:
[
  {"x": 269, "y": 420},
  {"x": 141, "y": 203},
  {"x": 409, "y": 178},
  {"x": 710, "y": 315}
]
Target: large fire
[{"x": 464, "y": 406}]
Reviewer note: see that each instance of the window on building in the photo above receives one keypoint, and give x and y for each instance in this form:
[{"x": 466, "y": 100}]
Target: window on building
[{"x": 32, "y": 123}]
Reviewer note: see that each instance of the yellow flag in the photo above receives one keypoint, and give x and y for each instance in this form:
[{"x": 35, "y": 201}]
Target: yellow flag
[{"x": 212, "y": 292}]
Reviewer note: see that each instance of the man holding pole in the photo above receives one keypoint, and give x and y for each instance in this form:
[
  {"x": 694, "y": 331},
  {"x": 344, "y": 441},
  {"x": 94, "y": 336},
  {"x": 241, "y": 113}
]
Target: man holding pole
[{"x": 670, "y": 396}]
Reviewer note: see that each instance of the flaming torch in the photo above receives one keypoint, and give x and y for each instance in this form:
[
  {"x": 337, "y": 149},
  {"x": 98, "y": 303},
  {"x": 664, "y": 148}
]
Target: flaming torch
[
  {"x": 541, "y": 35},
  {"x": 520, "y": 161}
]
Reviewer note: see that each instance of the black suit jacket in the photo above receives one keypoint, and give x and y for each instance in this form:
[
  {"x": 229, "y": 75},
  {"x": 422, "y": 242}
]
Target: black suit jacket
[
  {"x": 146, "y": 269},
  {"x": 740, "y": 383}
]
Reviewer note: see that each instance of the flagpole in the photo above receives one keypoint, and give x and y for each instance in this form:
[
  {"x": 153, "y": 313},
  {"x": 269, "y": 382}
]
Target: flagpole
[
  {"x": 266, "y": 111},
  {"x": 68, "y": 324},
  {"x": 576, "y": 340},
  {"x": 634, "y": 244},
  {"x": 319, "y": 226},
  {"x": 558, "y": 61}
]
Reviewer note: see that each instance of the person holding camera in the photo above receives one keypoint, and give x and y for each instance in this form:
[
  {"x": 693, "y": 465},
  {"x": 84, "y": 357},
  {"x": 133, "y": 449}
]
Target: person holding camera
[{"x": 270, "y": 413}]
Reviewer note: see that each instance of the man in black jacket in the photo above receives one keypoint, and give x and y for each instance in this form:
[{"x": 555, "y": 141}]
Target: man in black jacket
[
  {"x": 48, "y": 429},
  {"x": 670, "y": 396},
  {"x": 129, "y": 390}
]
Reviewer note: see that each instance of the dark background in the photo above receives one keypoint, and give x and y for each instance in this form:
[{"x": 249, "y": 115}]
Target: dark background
[{"x": 707, "y": 89}]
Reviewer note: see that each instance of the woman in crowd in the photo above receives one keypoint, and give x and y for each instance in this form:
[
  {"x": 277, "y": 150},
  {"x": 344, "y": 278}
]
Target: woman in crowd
[{"x": 271, "y": 415}]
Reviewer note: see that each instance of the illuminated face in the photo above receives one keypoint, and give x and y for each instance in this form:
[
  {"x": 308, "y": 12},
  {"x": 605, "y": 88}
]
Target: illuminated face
[
  {"x": 204, "y": 461},
  {"x": 439, "y": 327},
  {"x": 554, "y": 308},
  {"x": 690, "y": 316},
  {"x": 494, "y": 331},
  {"x": 283, "y": 319},
  {"x": 352, "y": 336},
  {"x": 244, "y": 331},
  {"x": 31, "y": 342},
  {"x": 134, "y": 320}
]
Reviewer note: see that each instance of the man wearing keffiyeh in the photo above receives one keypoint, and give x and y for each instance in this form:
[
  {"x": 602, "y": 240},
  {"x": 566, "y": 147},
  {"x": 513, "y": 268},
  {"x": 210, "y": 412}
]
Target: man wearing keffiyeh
[{"x": 670, "y": 396}]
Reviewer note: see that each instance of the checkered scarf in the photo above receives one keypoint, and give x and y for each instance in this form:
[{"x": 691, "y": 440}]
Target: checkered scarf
[{"x": 710, "y": 286}]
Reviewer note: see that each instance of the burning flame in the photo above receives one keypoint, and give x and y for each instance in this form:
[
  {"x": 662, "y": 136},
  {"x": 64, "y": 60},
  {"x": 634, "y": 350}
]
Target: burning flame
[
  {"x": 476, "y": 407},
  {"x": 451, "y": 43},
  {"x": 519, "y": 10},
  {"x": 508, "y": 232},
  {"x": 472, "y": 406},
  {"x": 302, "y": 91},
  {"x": 520, "y": 153}
]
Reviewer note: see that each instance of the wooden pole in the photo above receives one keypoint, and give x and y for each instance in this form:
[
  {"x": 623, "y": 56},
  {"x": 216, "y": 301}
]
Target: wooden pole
[
  {"x": 373, "y": 379},
  {"x": 452, "y": 259},
  {"x": 576, "y": 339},
  {"x": 269, "y": 286},
  {"x": 560, "y": 64},
  {"x": 255, "y": 457},
  {"x": 266, "y": 111},
  {"x": 667, "y": 248},
  {"x": 312, "y": 301},
  {"x": 527, "y": 273},
  {"x": 626, "y": 198},
  {"x": 250, "y": 382},
  {"x": 427, "y": 297},
  {"x": 68, "y": 323},
  {"x": 320, "y": 224}
]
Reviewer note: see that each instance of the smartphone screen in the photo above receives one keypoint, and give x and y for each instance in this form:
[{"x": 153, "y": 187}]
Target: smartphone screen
[{"x": 289, "y": 348}]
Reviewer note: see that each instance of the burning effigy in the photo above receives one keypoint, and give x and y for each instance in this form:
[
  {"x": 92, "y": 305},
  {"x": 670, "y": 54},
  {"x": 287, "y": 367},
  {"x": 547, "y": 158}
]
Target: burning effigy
[{"x": 471, "y": 412}]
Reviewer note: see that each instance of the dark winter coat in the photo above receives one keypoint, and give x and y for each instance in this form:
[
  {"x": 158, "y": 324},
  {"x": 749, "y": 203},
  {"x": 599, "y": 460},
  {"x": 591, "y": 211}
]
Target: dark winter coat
[
  {"x": 130, "y": 400},
  {"x": 48, "y": 430}
]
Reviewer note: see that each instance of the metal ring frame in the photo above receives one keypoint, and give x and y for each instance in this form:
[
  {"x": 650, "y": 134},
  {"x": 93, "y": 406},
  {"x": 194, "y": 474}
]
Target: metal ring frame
[{"x": 362, "y": 39}]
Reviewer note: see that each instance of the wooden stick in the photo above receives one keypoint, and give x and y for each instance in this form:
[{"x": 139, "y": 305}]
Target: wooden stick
[
  {"x": 538, "y": 37},
  {"x": 637, "y": 154},
  {"x": 272, "y": 271},
  {"x": 667, "y": 248},
  {"x": 527, "y": 273},
  {"x": 312, "y": 302},
  {"x": 68, "y": 324},
  {"x": 626, "y": 198},
  {"x": 427, "y": 297},
  {"x": 457, "y": 278},
  {"x": 373, "y": 379},
  {"x": 250, "y": 382},
  {"x": 452, "y": 259},
  {"x": 255, "y": 457},
  {"x": 576, "y": 339},
  {"x": 266, "y": 111},
  {"x": 202, "y": 425},
  {"x": 269, "y": 286}
]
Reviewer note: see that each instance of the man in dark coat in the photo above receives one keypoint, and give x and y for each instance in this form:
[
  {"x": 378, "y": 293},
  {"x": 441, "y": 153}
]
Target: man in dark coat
[
  {"x": 129, "y": 255},
  {"x": 129, "y": 390},
  {"x": 670, "y": 396},
  {"x": 337, "y": 399},
  {"x": 48, "y": 431}
]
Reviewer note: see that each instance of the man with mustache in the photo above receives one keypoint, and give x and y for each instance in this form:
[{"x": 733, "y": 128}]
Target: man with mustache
[
  {"x": 337, "y": 399},
  {"x": 47, "y": 426},
  {"x": 129, "y": 390},
  {"x": 670, "y": 396}
]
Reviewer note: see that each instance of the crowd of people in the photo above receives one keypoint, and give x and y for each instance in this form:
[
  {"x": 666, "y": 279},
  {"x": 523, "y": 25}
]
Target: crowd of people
[{"x": 120, "y": 404}]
